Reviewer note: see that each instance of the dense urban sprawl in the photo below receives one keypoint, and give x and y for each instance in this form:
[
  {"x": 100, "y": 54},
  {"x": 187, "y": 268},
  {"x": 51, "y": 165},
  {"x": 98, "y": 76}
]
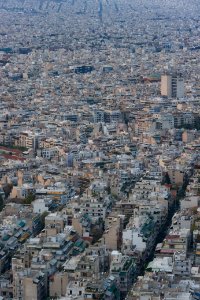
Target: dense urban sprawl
[{"x": 99, "y": 150}]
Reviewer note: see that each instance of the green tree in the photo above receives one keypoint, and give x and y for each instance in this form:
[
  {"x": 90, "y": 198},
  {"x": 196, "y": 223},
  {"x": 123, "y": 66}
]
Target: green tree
[
  {"x": 7, "y": 189},
  {"x": 29, "y": 199},
  {"x": 1, "y": 203},
  {"x": 166, "y": 179}
]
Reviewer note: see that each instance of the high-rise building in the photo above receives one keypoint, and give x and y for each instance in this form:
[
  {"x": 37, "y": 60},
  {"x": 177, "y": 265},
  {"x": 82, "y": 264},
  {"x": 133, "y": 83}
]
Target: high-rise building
[{"x": 172, "y": 85}]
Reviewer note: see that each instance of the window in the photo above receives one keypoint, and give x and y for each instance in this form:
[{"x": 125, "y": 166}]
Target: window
[{"x": 80, "y": 292}]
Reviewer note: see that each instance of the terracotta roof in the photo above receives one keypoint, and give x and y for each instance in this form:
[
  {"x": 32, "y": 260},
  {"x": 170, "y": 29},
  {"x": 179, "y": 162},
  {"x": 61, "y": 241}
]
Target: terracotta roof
[
  {"x": 172, "y": 237},
  {"x": 16, "y": 151},
  {"x": 168, "y": 250},
  {"x": 13, "y": 157}
]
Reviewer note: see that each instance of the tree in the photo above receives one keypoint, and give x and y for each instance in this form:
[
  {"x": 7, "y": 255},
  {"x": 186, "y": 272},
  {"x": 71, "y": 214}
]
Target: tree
[
  {"x": 166, "y": 179},
  {"x": 29, "y": 198},
  {"x": 1, "y": 203},
  {"x": 96, "y": 233},
  {"x": 7, "y": 189}
]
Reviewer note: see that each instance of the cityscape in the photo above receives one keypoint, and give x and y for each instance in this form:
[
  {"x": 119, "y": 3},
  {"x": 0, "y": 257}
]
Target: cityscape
[{"x": 99, "y": 150}]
